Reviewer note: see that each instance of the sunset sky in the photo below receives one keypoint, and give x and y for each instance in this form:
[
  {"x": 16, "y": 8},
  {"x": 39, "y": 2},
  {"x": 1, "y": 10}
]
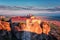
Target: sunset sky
[{"x": 29, "y": 6}]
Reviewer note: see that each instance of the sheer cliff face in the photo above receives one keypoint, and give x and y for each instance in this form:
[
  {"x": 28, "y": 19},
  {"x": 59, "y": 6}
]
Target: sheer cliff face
[
  {"x": 46, "y": 28},
  {"x": 5, "y": 26},
  {"x": 34, "y": 28}
]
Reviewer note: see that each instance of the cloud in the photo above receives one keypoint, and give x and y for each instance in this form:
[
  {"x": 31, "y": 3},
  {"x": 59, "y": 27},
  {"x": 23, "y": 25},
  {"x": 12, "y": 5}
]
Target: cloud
[
  {"x": 15, "y": 10},
  {"x": 29, "y": 8}
]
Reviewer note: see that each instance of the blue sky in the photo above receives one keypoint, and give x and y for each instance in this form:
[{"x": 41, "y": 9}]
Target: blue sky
[
  {"x": 38, "y": 3},
  {"x": 51, "y": 6}
]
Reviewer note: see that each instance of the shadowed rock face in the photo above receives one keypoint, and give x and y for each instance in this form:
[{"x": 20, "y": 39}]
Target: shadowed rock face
[{"x": 55, "y": 31}]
